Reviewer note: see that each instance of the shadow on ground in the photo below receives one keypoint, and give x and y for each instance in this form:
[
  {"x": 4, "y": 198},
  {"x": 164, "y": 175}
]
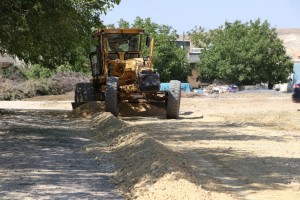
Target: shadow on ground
[{"x": 42, "y": 157}]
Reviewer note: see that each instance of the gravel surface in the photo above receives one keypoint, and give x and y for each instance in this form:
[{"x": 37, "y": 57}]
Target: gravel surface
[
  {"x": 231, "y": 146},
  {"x": 43, "y": 157}
]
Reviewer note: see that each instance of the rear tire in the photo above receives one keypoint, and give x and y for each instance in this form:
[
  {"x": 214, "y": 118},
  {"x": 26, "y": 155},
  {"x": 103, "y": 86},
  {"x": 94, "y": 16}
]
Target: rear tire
[
  {"x": 84, "y": 92},
  {"x": 111, "y": 95},
  {"x": 174, "y": 95}
]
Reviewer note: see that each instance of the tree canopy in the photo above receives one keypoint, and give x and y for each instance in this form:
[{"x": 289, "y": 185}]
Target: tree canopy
[
  {"x": 169, "y": 59},
  {"x": 49, "y": 32},
  {"x": 245, "y": 53},
  {"x": 200, "y": 37}
]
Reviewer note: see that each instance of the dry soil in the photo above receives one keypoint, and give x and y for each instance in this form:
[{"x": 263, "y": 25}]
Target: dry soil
[{"x": 235, "y": 146}]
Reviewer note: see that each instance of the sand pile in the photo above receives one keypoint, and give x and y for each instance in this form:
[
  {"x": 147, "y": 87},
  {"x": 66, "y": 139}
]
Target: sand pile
[
  {"x": 87, "y": 110},
  {"x": 146, "y": 169},
  {"x": 142, "y": 109}
]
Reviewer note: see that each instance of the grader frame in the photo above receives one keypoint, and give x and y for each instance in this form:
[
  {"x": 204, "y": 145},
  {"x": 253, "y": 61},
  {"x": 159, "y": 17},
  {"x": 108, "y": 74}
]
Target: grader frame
[{"x": 120, "y": 73}]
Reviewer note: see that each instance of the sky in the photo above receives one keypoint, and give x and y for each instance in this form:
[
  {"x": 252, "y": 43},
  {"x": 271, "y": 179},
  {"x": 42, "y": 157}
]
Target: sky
[{"x": 184, "y": 15}]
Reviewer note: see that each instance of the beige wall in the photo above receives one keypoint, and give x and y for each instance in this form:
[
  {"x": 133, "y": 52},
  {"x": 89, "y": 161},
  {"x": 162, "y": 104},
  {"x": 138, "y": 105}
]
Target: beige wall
[{"x": 291, "y": 40}]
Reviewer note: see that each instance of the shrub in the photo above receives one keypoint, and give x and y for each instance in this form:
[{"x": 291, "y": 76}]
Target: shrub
[
  {"x": 58, "y": 84},
  {"x": 66, "y": 82},
  {"x": 37, "y": 72},
  {"x": 64, "y": 69},
  {"x": 31, "y": 88},
  {"x": 14, "y": 73}
]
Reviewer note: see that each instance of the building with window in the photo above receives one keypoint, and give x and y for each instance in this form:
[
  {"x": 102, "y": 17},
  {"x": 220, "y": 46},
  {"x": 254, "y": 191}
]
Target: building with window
[
  {"x": 290, "y": 38},
  {"x": 193, "y": 53}
]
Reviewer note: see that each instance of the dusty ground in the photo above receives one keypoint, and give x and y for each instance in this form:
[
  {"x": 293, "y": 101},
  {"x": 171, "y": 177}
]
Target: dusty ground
[
  {"x": 42, "y": 156},
  {"x": 236, "y": 146},
  {"x": 244, "y": 146}
]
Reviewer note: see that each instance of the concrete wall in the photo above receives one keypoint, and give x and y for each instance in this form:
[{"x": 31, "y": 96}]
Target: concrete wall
[{"x": 6, "y": 61}]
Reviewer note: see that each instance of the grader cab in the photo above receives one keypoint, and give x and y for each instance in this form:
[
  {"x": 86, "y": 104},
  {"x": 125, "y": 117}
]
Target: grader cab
[{"x": 120, "y": 74}]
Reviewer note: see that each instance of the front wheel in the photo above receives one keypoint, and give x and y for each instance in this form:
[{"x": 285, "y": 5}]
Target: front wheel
[
  {"x": 111, "y": 95},
  {"x": 174, "y": 95},
  {"x": 84, "y": 92}
]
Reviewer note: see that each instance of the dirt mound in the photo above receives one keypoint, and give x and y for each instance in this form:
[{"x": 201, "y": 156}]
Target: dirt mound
[
  {"x": 146, "y": 169},
  {"x": 87, "y": 110},
  {"x": 108, "y": 128},
  {"x": 142, "y": 109}
]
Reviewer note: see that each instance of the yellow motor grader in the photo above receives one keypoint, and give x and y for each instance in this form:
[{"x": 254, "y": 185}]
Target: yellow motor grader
[{"x": 120, "y": 74}]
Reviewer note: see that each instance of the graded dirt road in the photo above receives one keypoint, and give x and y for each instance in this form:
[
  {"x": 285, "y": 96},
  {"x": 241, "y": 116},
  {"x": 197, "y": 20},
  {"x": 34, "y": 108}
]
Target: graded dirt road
[
  {"x": 237, "y": 146},
  {"x": 245, "y": 145},
  {"x": 42, "y": 157}
]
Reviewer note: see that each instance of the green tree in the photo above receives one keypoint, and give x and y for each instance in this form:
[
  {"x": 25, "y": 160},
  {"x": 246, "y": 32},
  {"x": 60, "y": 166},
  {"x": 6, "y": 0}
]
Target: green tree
[
  {"x": 245, "y": 53},
  {"x": 49, "y": 32},
  {"x": 123, "y": 23},
  {"x": 170, "y": 61},
  {"x": 199, "y": 37}
]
